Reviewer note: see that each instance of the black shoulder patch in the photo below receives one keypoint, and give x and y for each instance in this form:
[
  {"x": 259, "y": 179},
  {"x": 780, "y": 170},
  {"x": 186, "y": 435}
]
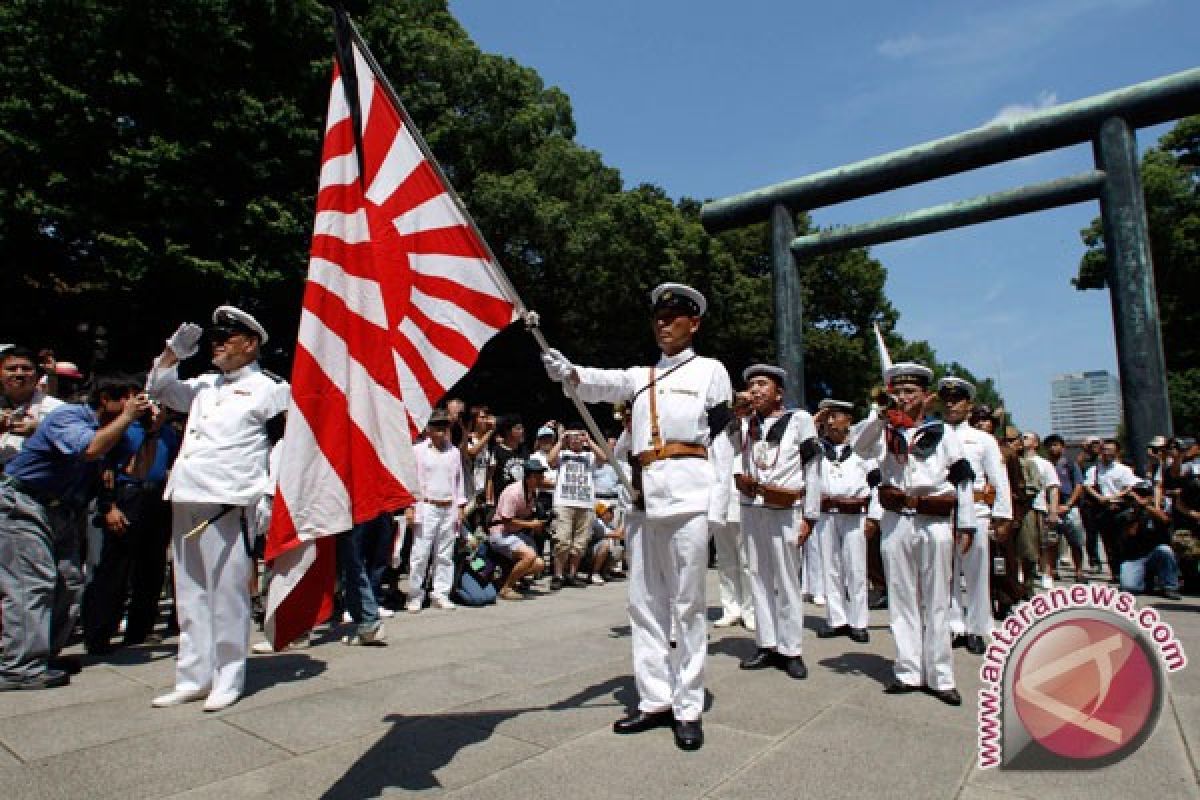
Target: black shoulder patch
[
  {"x": 272, "y": 375},
  {"x": 960, "y": 472},
  {"x": 810, "y": 448},
  {"x": 719, "y": 416},
  {"x": 874, "y": 478}
]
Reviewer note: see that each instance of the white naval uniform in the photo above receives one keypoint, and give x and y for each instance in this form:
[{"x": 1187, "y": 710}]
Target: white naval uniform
[
  {"x": 439, "y": 477},
  {"x": 844, "y": 474},
  {"x": 773, "y": 535},
  {"x": 667, "y": 547},
  {"x": 917, "y": 549},
  {"x": 733, "y": 571},
  {"x": 971, "y": 605},
  {"x": 223, "y": 461}
]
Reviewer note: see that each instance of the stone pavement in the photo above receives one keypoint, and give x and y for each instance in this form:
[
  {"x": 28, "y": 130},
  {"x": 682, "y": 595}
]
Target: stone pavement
[{"x": 516, "y": 701}]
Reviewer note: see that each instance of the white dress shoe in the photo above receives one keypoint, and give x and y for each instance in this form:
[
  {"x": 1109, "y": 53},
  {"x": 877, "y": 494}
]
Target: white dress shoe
[
  {"x": 177, "y": 697},
  {"x": 217, "y": 702},
  {"x": 748, "y": 621},
  {"x": 445, "y": 603},
  {"x": 727, "y": 620}
]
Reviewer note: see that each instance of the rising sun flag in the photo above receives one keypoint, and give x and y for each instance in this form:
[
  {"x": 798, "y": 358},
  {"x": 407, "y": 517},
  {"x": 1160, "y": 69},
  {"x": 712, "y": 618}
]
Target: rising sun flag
[{"x": 402, "y": 294}]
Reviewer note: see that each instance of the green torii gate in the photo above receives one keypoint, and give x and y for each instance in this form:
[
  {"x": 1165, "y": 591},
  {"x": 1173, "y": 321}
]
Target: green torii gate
[{"x": 1107, "y": 120}]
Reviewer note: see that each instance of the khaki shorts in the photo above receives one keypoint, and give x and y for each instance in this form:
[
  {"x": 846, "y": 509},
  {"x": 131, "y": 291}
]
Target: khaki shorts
[
  {"x": 1029, "y": 536},
  {"x": 572, "y": 530}
]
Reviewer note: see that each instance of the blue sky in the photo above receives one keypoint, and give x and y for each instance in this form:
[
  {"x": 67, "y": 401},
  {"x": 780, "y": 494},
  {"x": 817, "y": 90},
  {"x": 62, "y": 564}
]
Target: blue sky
[{"x": 708, "y": 99}]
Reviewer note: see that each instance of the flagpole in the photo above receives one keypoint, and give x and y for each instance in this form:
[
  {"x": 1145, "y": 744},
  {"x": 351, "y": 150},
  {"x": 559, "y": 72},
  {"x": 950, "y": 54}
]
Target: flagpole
[{"x": 493, "y": 265}]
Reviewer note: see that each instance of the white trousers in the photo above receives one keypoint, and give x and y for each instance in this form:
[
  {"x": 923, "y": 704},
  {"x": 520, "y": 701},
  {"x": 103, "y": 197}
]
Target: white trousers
[
  {"x": 212, "y": 596},
  {"x": 775, "y": 563},
  {"x": 971, "y": 604},
  {"x": 813, "y": 580},
  {"x": 844, "y": 546},
  {"x": 732, "y": 569},
  {"x": 434, "y": 537},
  {"x": 668, "y": 559},
  {"x": 917, "y": 557}
]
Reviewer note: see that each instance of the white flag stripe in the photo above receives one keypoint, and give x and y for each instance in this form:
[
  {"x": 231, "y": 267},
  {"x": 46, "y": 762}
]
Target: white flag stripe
[
  {"x": 366, "y": 86},
  {"x": 360, "y": 295},
  {"x": 339, "y": 109},
  {"x": 418, "y": 402},
  {"x": 370, "y": 405},
  {"x": 445, "y": 369},
  {"x": 316, "y": 499},
  {"x": 402, "y": 158},
  {"x": 350, "y": 228},
  {"x": 339, "y": 171},
  {"x": 455, "y": 317},
  {"x": 436, "y": 212},
  {"x": 470, "y": 272}
]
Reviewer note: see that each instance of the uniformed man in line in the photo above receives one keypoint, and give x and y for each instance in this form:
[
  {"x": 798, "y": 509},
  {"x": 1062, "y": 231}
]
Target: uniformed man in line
[
  {"x": 678, "y": 406},
  {"x": 846, "y": 483},
  {"x": 971, "y": 604},
  {"x": 733, "y": 573},
  {"x": 221, "y": 472},
  {"x": 777, "y": 473},
  {"x": 928, "y": 509}
]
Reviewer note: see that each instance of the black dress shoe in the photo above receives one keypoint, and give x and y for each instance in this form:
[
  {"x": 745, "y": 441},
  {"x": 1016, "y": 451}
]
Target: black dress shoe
[
  {"x": 643, "y": 721},
  {"x": 859, "y": 635},
  {"x": 828, "y": 632},
  {"x": 959, "y": 640},
  {"x": 950, "y": 697},
  {"x": 900, "y": 687},
  {"x": 975, "y": 645},
  {"x": 795, "y": 668},
  {"x": 72, "y": 665},
  {"x": 761, "y": 660},
  {"x": 689, "y": 735}
]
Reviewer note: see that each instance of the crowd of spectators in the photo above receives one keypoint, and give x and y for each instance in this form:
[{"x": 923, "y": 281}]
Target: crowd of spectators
[{"x": 503, "y": 516}]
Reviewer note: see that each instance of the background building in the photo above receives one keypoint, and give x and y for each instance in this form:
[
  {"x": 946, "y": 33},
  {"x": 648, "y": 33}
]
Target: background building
[{"x": 1085, "y": 404}]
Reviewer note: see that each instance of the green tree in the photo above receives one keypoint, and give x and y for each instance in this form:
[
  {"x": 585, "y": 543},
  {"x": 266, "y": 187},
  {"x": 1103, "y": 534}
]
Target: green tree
[{"x": 1171, "y": 182}]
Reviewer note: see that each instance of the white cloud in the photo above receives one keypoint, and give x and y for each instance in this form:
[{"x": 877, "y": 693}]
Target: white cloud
[{"x": 1016, "y": 111}]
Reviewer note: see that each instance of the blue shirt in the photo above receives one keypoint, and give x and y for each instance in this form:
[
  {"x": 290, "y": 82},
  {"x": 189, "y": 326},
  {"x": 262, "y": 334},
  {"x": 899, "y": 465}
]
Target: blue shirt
[
  {"x": 165, "y": 450},
  {"x": 1069, "y": 476},
  {"x": 52, "y": 460}
]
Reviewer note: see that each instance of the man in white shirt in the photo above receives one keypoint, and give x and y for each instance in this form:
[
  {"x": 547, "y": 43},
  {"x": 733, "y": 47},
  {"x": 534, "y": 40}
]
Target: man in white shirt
[
  {"x": 678, "y": 405},
  {"x": 1046, "y": 504},
  {"x": 1108, "y": 482},
  {"x": 733, "y": 573},
  {"x": 776, "y": 473},
  {"x": 971, "y": 605},
  {"x": 440, "y": 511},
  {"x": 216, "y": 482}
]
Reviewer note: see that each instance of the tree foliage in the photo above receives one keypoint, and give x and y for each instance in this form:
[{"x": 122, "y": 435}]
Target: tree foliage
[
  {"x": 159, "y": 158},
  {"x": 1171, "y": 183}
]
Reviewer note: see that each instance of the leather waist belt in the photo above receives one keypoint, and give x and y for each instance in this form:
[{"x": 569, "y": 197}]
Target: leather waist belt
[
  {"x": 672, "y": 450},
  {"x": 773, "y": 496},
  {"x": 935, "y": 505},
  {"x": 986, "y": 495},
  {"x": 844, "y": 505},
  {"x": 439, "y": 503},
  {"x": 44, "y": 498}
]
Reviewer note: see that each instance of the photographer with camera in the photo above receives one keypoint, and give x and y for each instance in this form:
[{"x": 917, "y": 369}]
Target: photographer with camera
[
  {"x": 44, "y": 491},
  {"x": 136, "y": 525},
  {"x": 1145, "y": 544},
  {"x": 22, "y": 402},
  {"x": 574, "y": 503},
  {"x": 515, "y": 522}
]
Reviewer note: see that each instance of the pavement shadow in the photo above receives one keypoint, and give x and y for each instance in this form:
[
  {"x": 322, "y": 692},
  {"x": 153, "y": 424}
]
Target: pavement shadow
[
  {"x": 416, "y": 747},
  {"x": 130, "y": 655},
  {"x": 264, "y": 672},
  {"x": 858, "y": 663},
  {"x": 620, "y": 631},
  {"x": 1164, "y": 606},
  {"x": 739, "y": 647}
]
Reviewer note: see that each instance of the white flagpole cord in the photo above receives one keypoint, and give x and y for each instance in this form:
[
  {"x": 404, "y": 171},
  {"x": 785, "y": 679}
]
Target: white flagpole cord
[{"x": 528, "y": 317}]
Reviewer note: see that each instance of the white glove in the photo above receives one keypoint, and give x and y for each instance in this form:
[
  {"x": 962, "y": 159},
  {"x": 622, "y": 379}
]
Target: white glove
[
  {"x": 557, "y": 366},
  {"x": 185, "y": 340}
]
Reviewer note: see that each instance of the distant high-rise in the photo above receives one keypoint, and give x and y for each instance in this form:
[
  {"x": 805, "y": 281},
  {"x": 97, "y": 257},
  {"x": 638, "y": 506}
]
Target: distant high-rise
[{"x": 1085, "y": 404}]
